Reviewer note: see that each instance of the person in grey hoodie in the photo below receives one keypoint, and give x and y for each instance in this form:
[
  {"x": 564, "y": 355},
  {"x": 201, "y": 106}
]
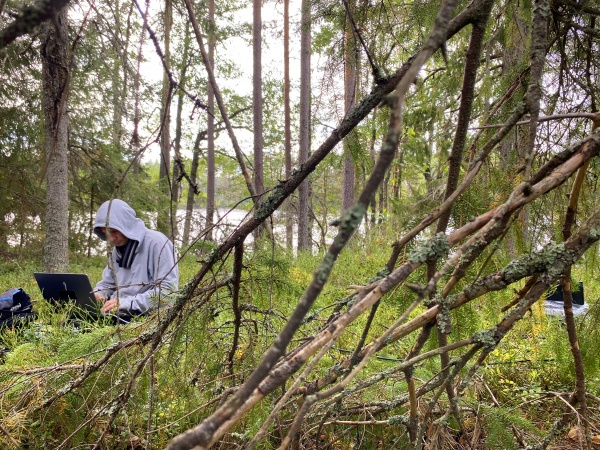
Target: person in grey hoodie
[{"x": 142, "y": 268}]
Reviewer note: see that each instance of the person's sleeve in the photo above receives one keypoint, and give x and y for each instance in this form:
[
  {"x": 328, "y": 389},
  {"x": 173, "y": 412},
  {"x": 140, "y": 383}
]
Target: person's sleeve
[
  {"x": 165, "y": 273},
  {"x": 106, "y": 286}
]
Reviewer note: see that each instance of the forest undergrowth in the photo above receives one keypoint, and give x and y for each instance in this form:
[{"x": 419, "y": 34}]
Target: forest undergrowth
[{"x": 59, "y": 390}]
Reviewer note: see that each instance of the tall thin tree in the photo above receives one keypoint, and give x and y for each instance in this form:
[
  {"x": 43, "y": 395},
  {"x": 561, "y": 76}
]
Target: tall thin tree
[
  {"x": 192, "y": 191},
  {"x": 210, "y": 157},
  {"x": 175, "y": 182},
  {"x": 135, "y": 137},
  {"x": 257, "y": 102},
  {"x": 289, "y": 223},
  {"x": 304, "y": 238},
  {"x": 165, "y": 140},
  {"x": 55, "y": 76},
  {"x": 350, "y": 71}
]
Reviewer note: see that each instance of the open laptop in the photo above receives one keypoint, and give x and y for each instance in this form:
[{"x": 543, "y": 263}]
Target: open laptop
[{"x": 65, "y": 288}]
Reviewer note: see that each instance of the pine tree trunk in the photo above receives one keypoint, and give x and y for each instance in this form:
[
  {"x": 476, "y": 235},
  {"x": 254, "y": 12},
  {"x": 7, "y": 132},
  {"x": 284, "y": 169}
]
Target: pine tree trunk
[
  {"x": 175, "y": 182},
  {"x": 189, "y": 208},
  {"x": 165, "y": 141},
  {"x": 289, "y": 223},
  {"x": 350, "y": 71},
  {"x": 257, "y": 107},
  {"x": 304, "y": 237},
  {"x": 135, "y": 137},
  {"x": 55, "y": 74},
  {"x": 210, "y": 157}
]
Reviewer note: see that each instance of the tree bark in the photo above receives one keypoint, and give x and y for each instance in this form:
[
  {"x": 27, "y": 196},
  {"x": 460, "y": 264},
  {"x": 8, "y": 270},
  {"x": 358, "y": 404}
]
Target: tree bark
[
  {"x": 257, "y": 107},
  {"x": 350, "y": 78},
  {"x": 304, "y": 232},
  {"x": 135, "y": 137},
  {"x": 210, "y": 156},
  {"x": 192, "y": 191},
  {"x": 55, "y": 75},
  {"x": 289, "y": 223},
  {"x": 163, "y": 223},
  {"x": 177, "y": 167}
]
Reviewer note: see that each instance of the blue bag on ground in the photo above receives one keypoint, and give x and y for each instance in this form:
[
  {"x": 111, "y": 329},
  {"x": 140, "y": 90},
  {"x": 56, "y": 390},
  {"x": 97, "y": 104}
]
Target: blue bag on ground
[{"x": 15, "y": 308}]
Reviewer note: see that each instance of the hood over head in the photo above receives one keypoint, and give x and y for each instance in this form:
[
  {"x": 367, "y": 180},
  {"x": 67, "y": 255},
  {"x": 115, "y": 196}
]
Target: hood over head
[{"x": 118, "y": 215}]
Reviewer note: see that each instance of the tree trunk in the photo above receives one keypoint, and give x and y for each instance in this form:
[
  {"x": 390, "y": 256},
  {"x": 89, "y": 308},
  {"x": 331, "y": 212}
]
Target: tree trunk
[
  {"x": 350, "y": 71},
  {"x": 304, "y": 237},
  {"x": 165, "y": 139},
  {"x": 257, "y": 105},
  {"x": 454, "y": 165},
  {"x": 373, "y": 206},
  {"x": 117, "y": 83},
  {"x": 219, "y": 100},
  {"x": 55, "y": 75},
  {"x": 289, "y": 223},
  {"x": 175, "y": 183},
  {"x": 189, "y": 208},
  {"x": 512, "y": 56},
  {"x": 210, "y": 157},
  {"x": 135, "y": 137}
]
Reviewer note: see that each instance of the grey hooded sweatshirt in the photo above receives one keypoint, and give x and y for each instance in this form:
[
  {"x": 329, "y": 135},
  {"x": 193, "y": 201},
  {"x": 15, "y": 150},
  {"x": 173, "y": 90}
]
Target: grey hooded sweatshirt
[{"x": 144, "y": 271}]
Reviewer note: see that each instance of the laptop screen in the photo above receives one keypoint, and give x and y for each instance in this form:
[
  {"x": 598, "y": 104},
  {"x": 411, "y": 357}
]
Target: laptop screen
[{"x": 61, "y": 288}]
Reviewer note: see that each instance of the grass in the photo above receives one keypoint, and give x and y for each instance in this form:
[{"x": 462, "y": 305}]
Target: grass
[{"x": 183, "y": 382}]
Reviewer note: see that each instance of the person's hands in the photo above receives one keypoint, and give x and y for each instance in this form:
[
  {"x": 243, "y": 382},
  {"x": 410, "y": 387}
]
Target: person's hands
[{"x": 110, "y": 306}]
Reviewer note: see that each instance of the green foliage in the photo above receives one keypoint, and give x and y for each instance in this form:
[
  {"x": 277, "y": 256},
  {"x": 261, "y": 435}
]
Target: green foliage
[
  {"x": 197, "y": 363},
  {"x": 192, "y": 368},
  {"x": 499, "y": 422},
  {"x": 323, "y": 38}
]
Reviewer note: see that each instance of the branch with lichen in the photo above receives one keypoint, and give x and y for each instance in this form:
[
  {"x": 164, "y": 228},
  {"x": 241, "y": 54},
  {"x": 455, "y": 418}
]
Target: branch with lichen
[
  {"x": 277, "y": 196},
  {"x": 31, "y": 17},
  {"x": 550, "y": 261},
  {"x": 486, "y": 340}
]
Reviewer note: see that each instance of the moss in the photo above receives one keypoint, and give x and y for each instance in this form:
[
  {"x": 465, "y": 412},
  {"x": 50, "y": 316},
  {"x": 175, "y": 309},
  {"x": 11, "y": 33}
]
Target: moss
[
  {"x": 398, "y": 420},
  {"x": 443, "y": 320},
  {"x": 350, "y": 220},
  {"x": 552, "y": 259},
  {"x": 431, "y": 302},
  {"x": 442, "y": 421},
  {"x": 268, "y": 204},
  {"x": 211, "y": 257},
  {"x": 431, "y": 250},
  {"x": 324, "y": 269},
  {"x": 542, "y": 8},
  {"x": 444, "y": 302},
  {"x": 380, "y": 275},
  {"x": 486, "y": 338},
  {"x": 594, "y": 233}
]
